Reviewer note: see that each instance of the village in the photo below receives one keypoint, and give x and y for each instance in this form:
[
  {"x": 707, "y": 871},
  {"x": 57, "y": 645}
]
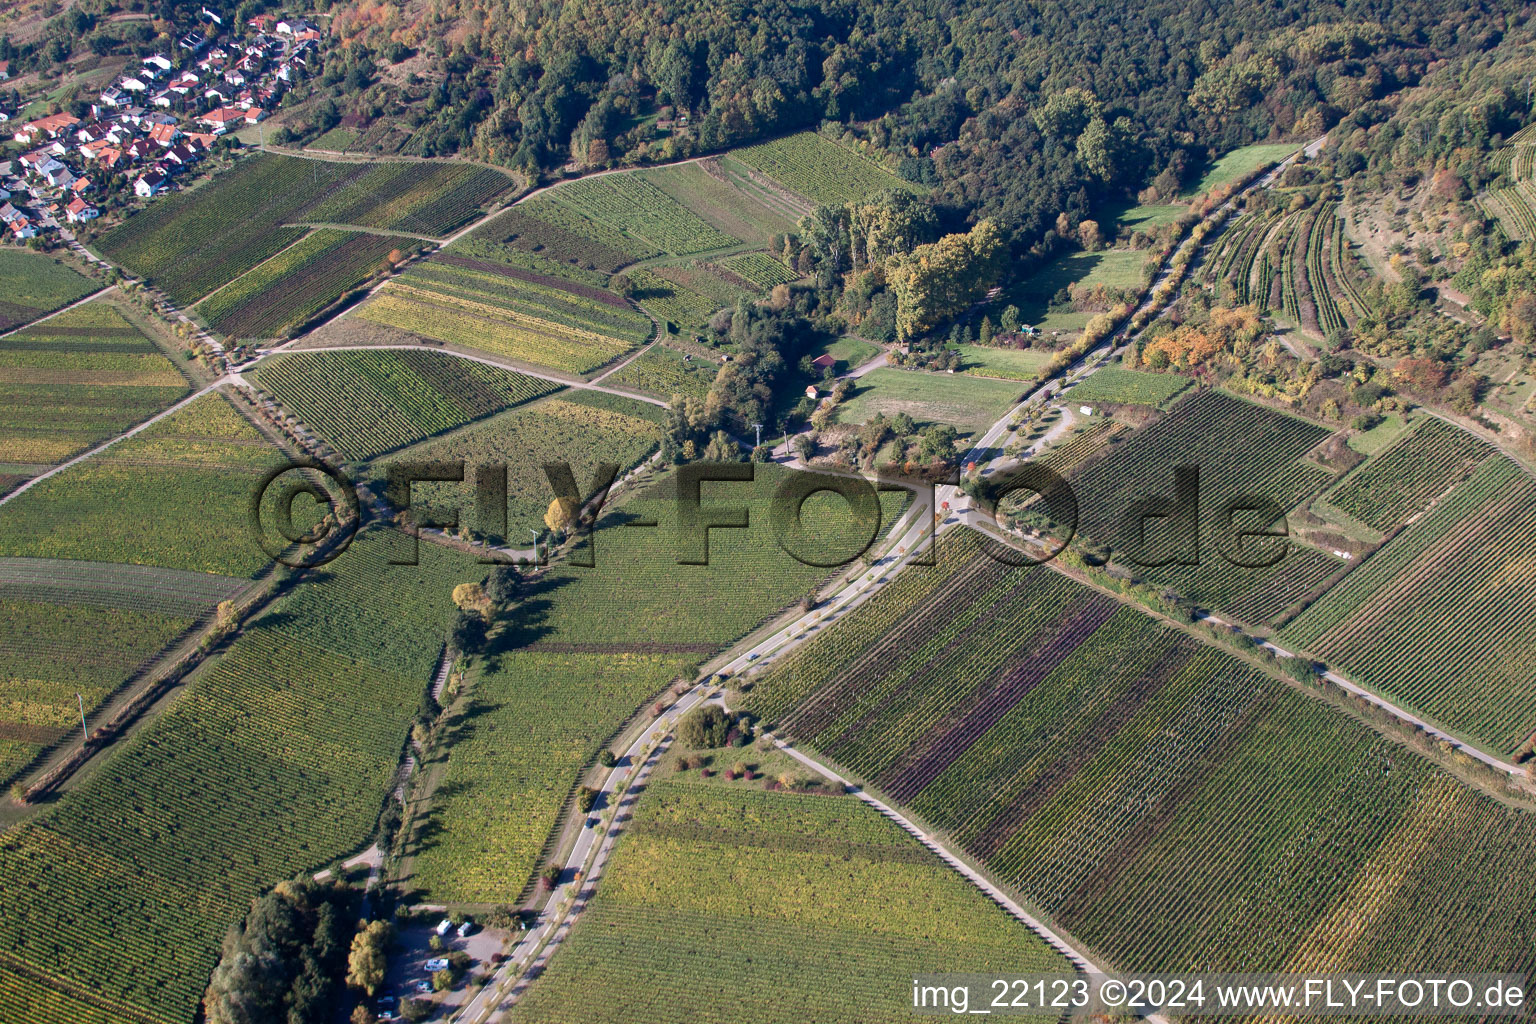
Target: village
[{"x": 143, "y": 133}]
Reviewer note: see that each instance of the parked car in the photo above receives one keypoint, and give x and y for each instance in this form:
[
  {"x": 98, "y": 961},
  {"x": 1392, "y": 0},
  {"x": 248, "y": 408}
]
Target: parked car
[
  {"x": 444, "y": 926},
  {"x": 437, "y": 963},
  {"x": 424, "y": 987},
  {"x": 465, "y": 928}
]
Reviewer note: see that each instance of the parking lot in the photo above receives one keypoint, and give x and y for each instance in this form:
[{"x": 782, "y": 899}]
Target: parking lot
[{"x": 408, "y": 963}]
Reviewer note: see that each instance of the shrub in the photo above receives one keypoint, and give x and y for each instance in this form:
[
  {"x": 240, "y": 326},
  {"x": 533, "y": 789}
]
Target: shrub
[{"x": 704, "y": 727}]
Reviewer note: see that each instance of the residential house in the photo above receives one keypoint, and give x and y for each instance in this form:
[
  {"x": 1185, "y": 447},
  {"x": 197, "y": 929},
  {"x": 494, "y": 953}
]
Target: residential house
[
  {"x": 112, "y": 97},
  {"x": 158, "y": 60},
  {"x": 255, "y": 115},
  {"x": 164, "y": 134},
  {"x": 150, "y": 184},
  {"x": 79, "y": 210},
  {"x": 222, "y": 120},
  {"x": 132, "y": 84},
  {"x": 49, "y": 127},
  {"x": 5, "y": 70},
  {"x": 59, "y": 176}
]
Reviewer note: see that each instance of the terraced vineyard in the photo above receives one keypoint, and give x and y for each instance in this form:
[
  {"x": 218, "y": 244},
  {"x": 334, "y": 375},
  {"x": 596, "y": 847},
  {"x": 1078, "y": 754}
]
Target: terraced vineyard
[
  {"x": 1514, "y": 208},
  {"x": 711, "y": 194},
  {"x": 1401, "y": 482},
  {"x": 76, "y": 379},
  {"x": 32, "y": 284},
  {"x": 1159, "y": 799},
  {"x": 192, "y": 242},
  {"x": 819, "y": 169},
  {"x": 290, "y": 288},
  {"x": 1434, "y": 619},
  {"x": 174, "y": 495},
  {"x": 818, "y": 896},
  {"x": 368, "y": 403},
  {"x": 679, "y": 297},
  {"x": 759, "y": 269},
  {"x": 121, "y": 894},
  {"x": 558, "y": 238}
]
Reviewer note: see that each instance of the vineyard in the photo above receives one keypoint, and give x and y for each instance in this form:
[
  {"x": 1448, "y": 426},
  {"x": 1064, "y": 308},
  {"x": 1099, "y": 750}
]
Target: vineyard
[
  {"x": 629, "y": 203},
  {"x": 146, "y": 589},
  {"x": 531, "y": 725},
  {"x": 76, "y": 379},
  {"x": 759, "y": 268},
  {"x": 717, "y": 896},
  {"x": 1402, "y": 481},
  {"x": 722, "y": 203},
  {"x": 679, "y": 297},
  {"x": 1117, "y": 385},
  {"x": 579, "y": 306},
  {"x": 192, "y": 242},
  {"x": 174, "y": 495},
  {"x": 33, "y": 284},
  {"x": 1434, "y": 619},
  {"x": 819, "y": 169},
  {"x": 1514, "y": 208},
  {"x": 1299, "y": 264},
  {"x": 555, "y": 238},
  {"x": 253, "y": 775},
  {"x": 560, "y": 429},
  {"x": 54, "y": 651},
  {"x": 283, "y": 293},
  {"x": 368, "y": 403},
  {"x": 448, "y": 317},
  {"x": 1240, "y": 450},
  {"x": 1168, "y": 805},
  {"x": 666, "y": 372}
]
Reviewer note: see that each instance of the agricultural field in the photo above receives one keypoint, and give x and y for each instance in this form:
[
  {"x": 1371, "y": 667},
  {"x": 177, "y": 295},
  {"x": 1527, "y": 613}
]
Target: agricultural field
[
  {"x": 710, "y": 193},
  {"x": 966, "y": 403},
  {"x": 33, "y": 284},
  {"x": 1514, "y": 208},
  {"x": 288, "y": 290},
  {"x": 665, "y": 372},
  {"x": 819, "y": 169},
  {"x": 174, "y": 495},
  {"x": 727, "y": 903},
  {"x": 193, "y": 242},
  {"x": 850, "y": 352},
  {"x": 367, "y": 403},
  {"x": 1115, "y": 269},
  {"x": 1155, "y": 796},
  {"x": 571, "y": 427},
  {"x": 1240, "y": 449},
  {"x": 76, "y": 379},
  {"x": 1434, "y": 618},
  {"x": 120, "y": 894},
  {"x": 572, "y": 303},
  {"x": 1402, "y": 481},
  {"x": 1242, "y": 162},
  {"x": 1119, "y": 386},
  {"x": 529, "y": 726}
]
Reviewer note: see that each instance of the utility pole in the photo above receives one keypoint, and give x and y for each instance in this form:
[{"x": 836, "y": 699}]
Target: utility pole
[
  {"x": 759, "y": 427},
  {"x": 83, "y": 729},
  {"x": 535, "y": 544}
]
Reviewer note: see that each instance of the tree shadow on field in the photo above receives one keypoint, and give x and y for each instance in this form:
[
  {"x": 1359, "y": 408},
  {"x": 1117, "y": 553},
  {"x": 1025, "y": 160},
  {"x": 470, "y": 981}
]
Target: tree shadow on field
[{"x": 525, "y": 622}]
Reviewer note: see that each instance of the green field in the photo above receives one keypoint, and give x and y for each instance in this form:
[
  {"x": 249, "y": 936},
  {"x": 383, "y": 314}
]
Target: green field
[
  {"x": 728, "y": 903},
  {"x": 290, "y": 288},
  {"x": 1372, "y": 441},
  {"x": 820, "y": 169},
  {"x": 1144, "y": 218},
  {"x": 32, "y": 284},
  {"x": 1008, "y": 363},
  {"x": 75, "y": 380},
  {"x": 967, "y": 403},
  {"x": 850, "y": 352},
  {"x": 637, "y": 209},
  {"x": 192, "y": 242},
  {"x": 121, "y": 891},
  {"x": 1156, "y": 797},
  {"x": 174, "y": 495},
  {"x": 1112, "y": 268},
  {"x": 368, "y": 403},
  {"x": 1130, "y": 387},
  {"x": 1241, "y": 162}
]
